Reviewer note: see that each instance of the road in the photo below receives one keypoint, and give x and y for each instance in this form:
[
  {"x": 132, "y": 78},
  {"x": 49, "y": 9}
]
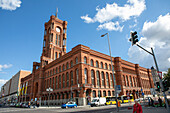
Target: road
[{"x": 102, "y": 109}]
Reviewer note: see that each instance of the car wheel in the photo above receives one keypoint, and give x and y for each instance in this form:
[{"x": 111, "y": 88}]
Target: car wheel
[{"x": 74, "y": 106}]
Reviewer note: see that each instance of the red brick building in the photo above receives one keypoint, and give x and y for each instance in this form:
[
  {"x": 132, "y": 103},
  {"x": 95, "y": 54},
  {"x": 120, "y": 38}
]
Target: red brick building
[{"x": 82, "y": 73}]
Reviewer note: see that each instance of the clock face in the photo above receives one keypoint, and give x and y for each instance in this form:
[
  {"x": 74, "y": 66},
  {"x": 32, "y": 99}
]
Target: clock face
[{"x": 57, "y": 29}]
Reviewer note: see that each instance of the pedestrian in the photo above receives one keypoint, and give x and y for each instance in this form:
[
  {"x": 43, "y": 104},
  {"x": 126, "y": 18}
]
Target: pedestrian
[
  {"x": 29, "y": 104},
  {"x": 152, "y": 102},
  {"x": 137, "y": 108},
  {"x": 160, "y": 101},
  {"x": 149, "y": 102}
]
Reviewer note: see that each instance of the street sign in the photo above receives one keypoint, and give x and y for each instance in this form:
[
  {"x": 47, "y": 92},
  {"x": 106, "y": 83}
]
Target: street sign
[
  {"x": 152, "y": 90},
  {"x": 118, "y": 88},
  {"x": 143, "y": 94}
]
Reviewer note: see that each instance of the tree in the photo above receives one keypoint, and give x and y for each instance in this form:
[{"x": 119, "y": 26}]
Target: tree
[{"x": 167, "y": 77}]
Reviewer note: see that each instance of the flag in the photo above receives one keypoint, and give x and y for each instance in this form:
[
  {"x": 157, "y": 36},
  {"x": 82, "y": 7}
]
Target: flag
[
  {"x": 20, "y": 90},
  {"x": 23, "y": 89},
  {"x": 26, "y": 88}
]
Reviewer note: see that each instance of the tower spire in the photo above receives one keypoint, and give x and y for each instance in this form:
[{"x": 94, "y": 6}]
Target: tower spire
[{"x": 56, "y": 13}]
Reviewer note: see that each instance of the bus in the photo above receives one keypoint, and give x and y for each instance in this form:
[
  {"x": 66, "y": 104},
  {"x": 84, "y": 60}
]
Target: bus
[
  {"x": 122, "y": 99},
  {"x": 112, "y": 100},
  {"x": 126, "y": 100}
]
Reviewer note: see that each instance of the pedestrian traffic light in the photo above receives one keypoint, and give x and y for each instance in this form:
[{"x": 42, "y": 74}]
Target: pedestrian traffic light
[
  {"x": 133, "y": 38},
  {"x": 158, "y": 86},
  {"x": 166, "y": 88}
]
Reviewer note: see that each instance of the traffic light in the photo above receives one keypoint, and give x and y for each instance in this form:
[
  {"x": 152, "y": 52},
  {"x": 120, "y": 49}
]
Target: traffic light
[
  {"x": 133, "y": 38},
  {"x": 166, "y": 88},
  {"x": 158, "y": 86}
]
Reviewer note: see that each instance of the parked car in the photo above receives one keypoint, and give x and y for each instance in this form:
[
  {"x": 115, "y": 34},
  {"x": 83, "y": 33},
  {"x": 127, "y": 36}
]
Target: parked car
[
  {"x": 70, "y": 104},
  {"x": 98, "y": 101},
  {"x": 17, "y": 105}
]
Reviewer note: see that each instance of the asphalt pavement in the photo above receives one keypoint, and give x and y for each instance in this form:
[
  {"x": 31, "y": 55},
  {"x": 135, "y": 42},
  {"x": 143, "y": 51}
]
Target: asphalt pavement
[{"x": 82, "y": 109}]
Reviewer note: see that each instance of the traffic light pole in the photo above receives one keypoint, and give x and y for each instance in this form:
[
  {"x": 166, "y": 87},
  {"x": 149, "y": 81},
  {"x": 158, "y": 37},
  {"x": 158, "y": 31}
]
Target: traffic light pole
[
  {"x": 166, "y": 101},
  {"x": 114, "y": 79}
]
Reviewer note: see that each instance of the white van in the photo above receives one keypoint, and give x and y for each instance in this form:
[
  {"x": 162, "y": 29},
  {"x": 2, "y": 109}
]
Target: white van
[{"x": 98, "y": 101}]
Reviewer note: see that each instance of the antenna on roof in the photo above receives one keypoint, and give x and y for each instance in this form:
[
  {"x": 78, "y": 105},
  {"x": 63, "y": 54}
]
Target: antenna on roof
[{"x": 56, "y": 13}]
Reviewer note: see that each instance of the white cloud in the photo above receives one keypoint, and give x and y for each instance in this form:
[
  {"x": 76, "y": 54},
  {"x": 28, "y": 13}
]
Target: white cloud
[
  {"x": 10, "y": 4},
  {"x": 133, "y": 8},
  {"x": 5, "y": 66},
  {"x": 156, "y": 34},
  {"x": 2, "y": 82},
  {"x": 111, "y": 26}
]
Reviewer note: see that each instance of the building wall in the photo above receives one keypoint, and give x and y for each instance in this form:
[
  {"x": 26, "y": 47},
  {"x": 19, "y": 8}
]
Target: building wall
[
  {"x": 130, "y": 76},
  {"x": 12, "y": 85}
]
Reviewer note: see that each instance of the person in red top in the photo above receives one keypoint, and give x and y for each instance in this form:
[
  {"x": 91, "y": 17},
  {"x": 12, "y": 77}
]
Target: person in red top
[{"x": 137, "y": 107}]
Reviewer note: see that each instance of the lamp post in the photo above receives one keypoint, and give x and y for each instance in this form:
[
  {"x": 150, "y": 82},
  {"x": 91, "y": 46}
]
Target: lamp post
[
  {"x": 114, "y": 79},
  {"x": 49, "y": 90}
]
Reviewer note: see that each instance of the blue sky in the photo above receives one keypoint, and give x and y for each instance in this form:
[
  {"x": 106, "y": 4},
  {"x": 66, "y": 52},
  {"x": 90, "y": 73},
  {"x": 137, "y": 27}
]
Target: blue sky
[{"x": 22, "y": 29}]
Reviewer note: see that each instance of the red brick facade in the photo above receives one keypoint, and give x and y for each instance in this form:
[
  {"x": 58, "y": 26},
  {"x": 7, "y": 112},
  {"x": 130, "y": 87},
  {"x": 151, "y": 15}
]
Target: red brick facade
[{"x": 84, "y": 72}]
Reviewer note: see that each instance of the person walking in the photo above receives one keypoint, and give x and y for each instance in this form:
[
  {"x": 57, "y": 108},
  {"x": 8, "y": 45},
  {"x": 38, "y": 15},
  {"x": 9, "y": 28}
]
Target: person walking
[
  {"x": 137, "y": 108},
  {"x": 160, "y": 101}
]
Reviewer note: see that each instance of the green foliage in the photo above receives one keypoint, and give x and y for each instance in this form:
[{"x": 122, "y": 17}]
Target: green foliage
[{"x": 167, "y": 77}]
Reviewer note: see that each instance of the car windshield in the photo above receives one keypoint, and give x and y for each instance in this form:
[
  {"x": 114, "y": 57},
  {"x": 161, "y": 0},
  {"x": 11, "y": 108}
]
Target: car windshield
[{"x": 94, "y": 100}]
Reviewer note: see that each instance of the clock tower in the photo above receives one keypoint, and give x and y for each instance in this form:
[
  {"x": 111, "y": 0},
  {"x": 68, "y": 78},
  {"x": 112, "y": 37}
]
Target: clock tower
[{"x": 54, "y": 43}]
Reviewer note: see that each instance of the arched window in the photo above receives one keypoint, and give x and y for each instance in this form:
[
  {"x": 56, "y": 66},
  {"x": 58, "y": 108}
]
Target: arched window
[
  {"x": 59, "y": 81},
  {"x": 97, "y": 64},
  {"x": 56, "y": 38},
  {"x": 56, "y": 71},
  {"x": 53, "y": 82},
  {"x": 67, "y": 65},
  {"x": 98, "y": 78},
  {"x": 127, "y": 81},
  {"x": 63, "y": 67},
  {"x": 71, "y": 74},
  {"x": 85, "y": 60},
  {"x": 59, "y": 69},
  {"x": 67, "y": 79},
  {"x": 105, "y": 65},
  {"x": 111, "y": 79},
  {"x": 63, "y": 80},
  {"x": 110, "y": 67},
  {"x": 85, "y": 75},
  {"x": 91, "y": 62},
  {"x": 130, "y": 81},
  {"x": 101, "y": 65},
  {"x": 104, "y": 93},
  {"x": 50, "y": 82},
  {"x": 107, "y": 79},
  {"x": 53, "y": 71},
  {"x": 50, "y": 72},
  {"x": 92, "y": 77},
  {"x": 56, "y": 84},
  {"x": 59, "y": 38},
  {"x": 77, "y": 75},
  {"x": 76, "y": 60},
  {"x": 109, "y": 94},
  {"x": 124, "y": 80},
  {"x": 71, "y": 64},
  {"x": 102, "y": 78}
]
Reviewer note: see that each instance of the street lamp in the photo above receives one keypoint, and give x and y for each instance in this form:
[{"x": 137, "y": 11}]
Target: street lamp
[
  {"x": 114, "y": 79},
  {"x": 49, "y": 90}
]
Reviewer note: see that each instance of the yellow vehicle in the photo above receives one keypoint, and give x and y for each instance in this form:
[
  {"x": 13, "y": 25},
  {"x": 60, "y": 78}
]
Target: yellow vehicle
[
  {"x": 125, "y": 99},
  {"x": 112, "y": 100}
]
